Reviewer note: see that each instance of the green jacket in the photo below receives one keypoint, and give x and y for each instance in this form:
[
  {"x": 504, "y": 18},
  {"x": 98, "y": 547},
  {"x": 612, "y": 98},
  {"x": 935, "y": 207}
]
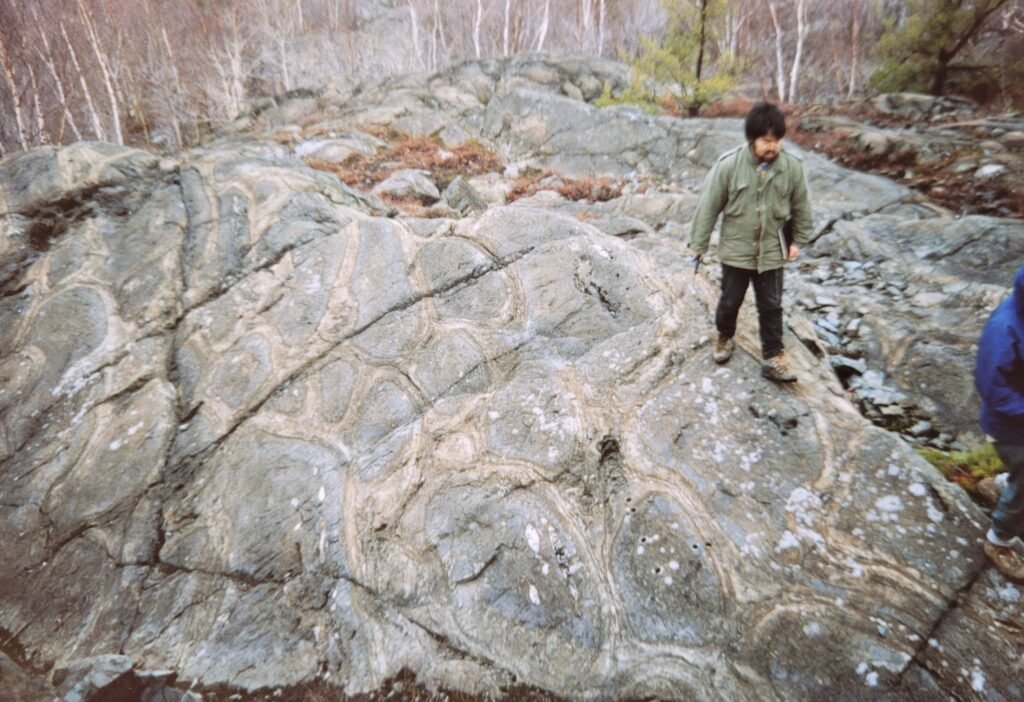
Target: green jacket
[{"x": 753, "y": 205}]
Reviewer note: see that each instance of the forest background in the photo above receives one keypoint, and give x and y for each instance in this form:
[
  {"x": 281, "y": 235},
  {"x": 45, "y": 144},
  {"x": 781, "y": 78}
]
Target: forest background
[{"x": 169, "y": 72}]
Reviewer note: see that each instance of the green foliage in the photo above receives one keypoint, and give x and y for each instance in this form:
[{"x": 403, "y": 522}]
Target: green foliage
[
  {"x": 965, "y": 467},
  {"x": 664, "y": 72},
  {"x": 917, "y": 54}
]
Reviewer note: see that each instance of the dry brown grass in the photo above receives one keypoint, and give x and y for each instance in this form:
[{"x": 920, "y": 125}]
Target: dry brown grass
[
  {"x": 589, "y": 189},
  {"x": 935, "y": 178},
  {"x": 728, "y": 107},
  {"x": 418, "y": 152}
]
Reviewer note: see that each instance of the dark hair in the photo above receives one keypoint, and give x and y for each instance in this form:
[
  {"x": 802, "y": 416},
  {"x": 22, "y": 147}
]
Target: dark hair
[{"x": 765, "y": 117}]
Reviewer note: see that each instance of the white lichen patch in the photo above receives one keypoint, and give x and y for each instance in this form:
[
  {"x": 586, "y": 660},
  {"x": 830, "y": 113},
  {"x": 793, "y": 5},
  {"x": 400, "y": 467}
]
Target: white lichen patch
[
  {"x": 889, "y": 503},
  {"x": 812, "y": 629},
  {"x": 789, "y": 540},
  {"x": 719, "y": 452},
  {"x": 1008, "y": 593},
  {"x": 532, "y": 538},
  {"x": 747, "y": 460},
  {"x": 534, "y": 595},
  {"x": 918, "y": 489}
]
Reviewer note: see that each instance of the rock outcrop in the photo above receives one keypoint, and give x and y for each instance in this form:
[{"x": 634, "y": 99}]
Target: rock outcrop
[{"x": 258, "y": 428}]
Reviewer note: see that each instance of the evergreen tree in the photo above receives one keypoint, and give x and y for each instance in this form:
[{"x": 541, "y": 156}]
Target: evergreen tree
[
  {"x": 675, "y": 68},
  {"x": 919, "y": 53}
]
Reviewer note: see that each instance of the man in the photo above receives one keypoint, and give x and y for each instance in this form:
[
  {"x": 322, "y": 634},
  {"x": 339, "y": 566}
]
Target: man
[
  {"x": 999, "y": 377},
  {"x": 756, "y": 188}
]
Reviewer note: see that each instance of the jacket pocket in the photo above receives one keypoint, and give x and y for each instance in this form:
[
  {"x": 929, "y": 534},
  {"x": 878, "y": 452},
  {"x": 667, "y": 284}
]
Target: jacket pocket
[{"x": 734, "y": 205}]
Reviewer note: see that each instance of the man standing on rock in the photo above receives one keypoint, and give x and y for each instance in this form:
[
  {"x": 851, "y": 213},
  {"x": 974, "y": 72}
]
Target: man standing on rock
[
  {"x": 756, "y": 188},
  {"x": 999, "y": 377}
]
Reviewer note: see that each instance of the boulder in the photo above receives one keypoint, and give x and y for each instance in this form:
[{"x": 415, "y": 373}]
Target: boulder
[
  {"x": 408, "y": 183},
  {"x": 461, "y": 197},
  {"x": 257, "y": 432}
]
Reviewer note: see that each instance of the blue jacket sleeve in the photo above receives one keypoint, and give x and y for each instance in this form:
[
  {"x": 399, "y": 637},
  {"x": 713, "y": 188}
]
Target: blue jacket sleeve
[{"x": 1005, "y": 385}]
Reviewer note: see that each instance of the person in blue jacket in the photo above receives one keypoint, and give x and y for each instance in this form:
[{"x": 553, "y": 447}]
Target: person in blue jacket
[{"x": 999, "y": 377}]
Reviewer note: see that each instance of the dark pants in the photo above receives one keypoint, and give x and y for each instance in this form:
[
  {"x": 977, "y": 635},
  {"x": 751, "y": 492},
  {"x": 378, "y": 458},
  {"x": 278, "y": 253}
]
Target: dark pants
[
  {"x": 767, "y": 293},
  {"x": 1008, "y": 517}
]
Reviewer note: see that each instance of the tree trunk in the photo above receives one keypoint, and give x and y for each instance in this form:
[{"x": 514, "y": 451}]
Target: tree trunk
[
  {"x": 51, "y": 67},
  {"x": 854, "y": 49},
  {"x": 104, "y": 66},
  {"x": 414, "y": 24},
  {"x": 601, "y": 11},
  {"x": 282, "y": 51},
  {"x": 504, "y": 38},
  {"x": 477, "y": 20},
  {"x": 19, "y": 119},
  {"x": 97, "y": 126},
  {"x": 941, "y": 74},
  {"x": 175, "y": 122},
  {"x": 801, "y": 36},
  {"x": 585, "y": 11},
  {"x": 41, "y": 135},
  {"x": 694, "y": 108},
  {"x": 780, "y": 62},
  {"x": 543, "y": 33}
]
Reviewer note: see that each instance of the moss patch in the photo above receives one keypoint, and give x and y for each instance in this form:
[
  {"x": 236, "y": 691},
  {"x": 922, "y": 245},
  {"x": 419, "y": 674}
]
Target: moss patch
[{"x": 965, "y": 468}]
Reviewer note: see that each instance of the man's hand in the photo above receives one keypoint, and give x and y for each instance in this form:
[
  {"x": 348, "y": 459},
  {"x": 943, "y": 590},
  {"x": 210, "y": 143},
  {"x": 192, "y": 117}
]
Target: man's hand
[{"x": 794, "y": 252}]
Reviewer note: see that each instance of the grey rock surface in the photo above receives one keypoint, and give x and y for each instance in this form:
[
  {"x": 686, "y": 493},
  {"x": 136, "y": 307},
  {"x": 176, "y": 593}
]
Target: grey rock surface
[
  {"x": 258, "y": 432},
  {"x": 409, "y": 183}
]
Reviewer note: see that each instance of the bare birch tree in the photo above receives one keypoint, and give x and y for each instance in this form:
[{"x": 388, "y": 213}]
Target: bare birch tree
[
  {"x": 787, "y": 90},
  {"x": 176, "y": 78},
  {"x": 414, "y": 23},
  {"x": 103, "y": 64},
  {"x": 7, "y": 66},
  {"x": 97, "y": 125},
  {"x": 801, "y": 37},
  {"x": 46, "y": 55},
  {"x": 477, "y": 21},
  {"x": 542, "y": 34},
  {"x": 780, "y": 61}
]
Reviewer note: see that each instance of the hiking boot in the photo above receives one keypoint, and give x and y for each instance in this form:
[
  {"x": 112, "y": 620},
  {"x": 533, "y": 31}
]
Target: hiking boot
[
  {"x": 723, "y": 349},
  {"x": 776, "y": 368},
  {"x": 991, "y": 489},
  {"x": 1006, "y": 560}
]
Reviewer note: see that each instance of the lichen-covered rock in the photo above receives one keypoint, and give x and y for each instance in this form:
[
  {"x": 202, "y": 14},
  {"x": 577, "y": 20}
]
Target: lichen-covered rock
[{"x": 257, "y": 433}]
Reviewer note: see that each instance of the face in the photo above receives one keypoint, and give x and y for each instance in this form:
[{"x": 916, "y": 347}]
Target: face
[{"x": 766, "y": 148}]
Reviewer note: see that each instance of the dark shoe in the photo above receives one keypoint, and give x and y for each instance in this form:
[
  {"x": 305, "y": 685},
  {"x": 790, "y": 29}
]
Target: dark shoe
[
  {"x": 723, "y": 349},
  {"x": 1006, "y": 560},
  {"x": 991, "y": 489},
  {"x": 776, "y": 368}
]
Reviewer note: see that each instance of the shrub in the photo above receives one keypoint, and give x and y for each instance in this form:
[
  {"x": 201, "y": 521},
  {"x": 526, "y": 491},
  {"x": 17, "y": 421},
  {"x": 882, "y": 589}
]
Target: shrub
[{"x": 965, "y": 468}]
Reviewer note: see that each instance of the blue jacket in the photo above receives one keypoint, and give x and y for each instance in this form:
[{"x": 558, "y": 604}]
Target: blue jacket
[{"x": 999, "y": 370}]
